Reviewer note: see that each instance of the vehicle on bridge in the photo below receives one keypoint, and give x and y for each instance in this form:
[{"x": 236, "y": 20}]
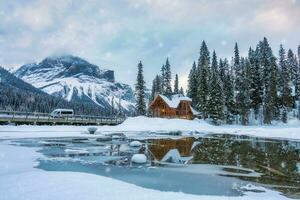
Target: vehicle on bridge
[{"x": 62, "y": 113}]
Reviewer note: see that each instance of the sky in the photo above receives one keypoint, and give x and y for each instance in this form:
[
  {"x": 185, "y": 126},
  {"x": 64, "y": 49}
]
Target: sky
[{"x": 117, "y": 34}]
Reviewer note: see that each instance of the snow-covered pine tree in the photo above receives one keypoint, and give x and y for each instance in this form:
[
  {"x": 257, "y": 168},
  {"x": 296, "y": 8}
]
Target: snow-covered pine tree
[
  {"x": 299, "y": 54},
  {"x": 140, "y": 91},
  {"x": 176, "y": 82},
  {"x": 153, "y": 89},
  {"x": 222, "y": 72},
  {"x": 192, "y": 84},
  {"x": 228, "y": 89},
  {"x": 236, "y": 59},
  {"x": 238, "y": 80},
  {"x": 286, "y": 97},
  {"x": 244, "y": 95},
  {"x": 163, "y": 79},
  {"x": 215, "y": 104},
  {"x": 256, "y": 90},
  {"x": 159, "y": 86},
  {"x": 298, "y": 83},
  {"x": 168, "y": 78},
  {"x": 271, "y": 100},
  {"x": 203, "y": 78},
  {"x": 156, "y": 86},
  {"x": 265, "y": 57},
  {"x": 181, "y": 91},
  {"x": 292, "y": 66}
]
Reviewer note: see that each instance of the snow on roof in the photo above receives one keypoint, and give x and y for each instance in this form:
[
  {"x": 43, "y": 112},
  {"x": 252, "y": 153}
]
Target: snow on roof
[{"x": 174, "y": 100}]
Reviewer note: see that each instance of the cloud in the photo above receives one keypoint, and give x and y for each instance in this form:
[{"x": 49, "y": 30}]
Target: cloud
[{"x": 118, "y": 33}]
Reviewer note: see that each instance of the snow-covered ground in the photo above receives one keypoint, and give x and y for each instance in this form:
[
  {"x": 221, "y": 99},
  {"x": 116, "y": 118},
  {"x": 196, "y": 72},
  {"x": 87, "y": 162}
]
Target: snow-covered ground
[
  {"x": 20, "y": 180},
  {"x": 136, "y": 125}
]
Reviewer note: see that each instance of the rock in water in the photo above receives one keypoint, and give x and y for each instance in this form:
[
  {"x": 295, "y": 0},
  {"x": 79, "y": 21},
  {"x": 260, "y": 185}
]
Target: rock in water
[
  {"x": 135, "y": 144},
  {"x": 139, "y": 159},
  {"x": 92, "y": 130}
]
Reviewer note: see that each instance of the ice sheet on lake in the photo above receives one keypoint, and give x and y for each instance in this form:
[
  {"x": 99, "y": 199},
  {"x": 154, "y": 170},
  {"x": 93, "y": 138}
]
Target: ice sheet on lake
[{"x": 19, "y": 178}]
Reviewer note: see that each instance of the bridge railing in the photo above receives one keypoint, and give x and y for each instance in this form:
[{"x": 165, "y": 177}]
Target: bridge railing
[{"x": 46, "y": 116}]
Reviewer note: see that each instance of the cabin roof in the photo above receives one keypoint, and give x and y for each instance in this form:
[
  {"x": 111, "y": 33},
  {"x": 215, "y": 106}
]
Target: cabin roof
[{"x": 174, "y": 100}]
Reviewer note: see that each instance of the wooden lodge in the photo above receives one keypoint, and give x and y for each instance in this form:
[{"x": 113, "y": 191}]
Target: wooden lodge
[{"x": 175, "y": 106}]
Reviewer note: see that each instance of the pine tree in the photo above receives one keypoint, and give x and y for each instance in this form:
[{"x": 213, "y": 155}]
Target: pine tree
[
  {"x": 256, "y": 90},
  {"x": 265, "y": 58},
  {"x": 292, "y": 66},
  {"x": 192, "y": 84},
  {"x": 181, "y": 91},
  {"x": 153, "y": 89},
  {"x": 163, "y": 79},
  {"x": 140, "y": 91},
  {"x": 215, "y": 103},
  {"x": 159, "y": 85},
  {"x": 228, "y": 88},
  {"x": 286, "y": 97},
  {"x": 176, "y": 82},
  {"x": 203, "y": 80},
  {"x": 238, "y": 81},
  {"x": 236, "y": 58},
  {"x": 156, "y": 86},
  {"x": 298, "y": 83},
  {"x": 271, "y": 100},
  {"x": 222, "y": 71},
  {"x": 245, "y": 92},
  {"x": 167, "y": 78}
]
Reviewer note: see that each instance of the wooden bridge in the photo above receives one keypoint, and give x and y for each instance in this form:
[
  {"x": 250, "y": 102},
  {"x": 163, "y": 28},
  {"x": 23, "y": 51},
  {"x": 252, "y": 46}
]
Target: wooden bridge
[{"x": 18, "y": 118}]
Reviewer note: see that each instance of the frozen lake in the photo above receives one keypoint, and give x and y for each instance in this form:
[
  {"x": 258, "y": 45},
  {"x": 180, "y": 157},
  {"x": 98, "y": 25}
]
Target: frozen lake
[{"x": 221, "y": 164}]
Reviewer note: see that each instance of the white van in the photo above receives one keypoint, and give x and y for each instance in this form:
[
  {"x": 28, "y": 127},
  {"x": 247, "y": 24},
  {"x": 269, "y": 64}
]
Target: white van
[{"x": 62, "y": 113}]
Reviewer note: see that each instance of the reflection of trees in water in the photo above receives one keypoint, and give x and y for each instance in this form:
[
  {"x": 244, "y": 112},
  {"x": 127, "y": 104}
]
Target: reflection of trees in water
[{"x": 248, "y": 153}]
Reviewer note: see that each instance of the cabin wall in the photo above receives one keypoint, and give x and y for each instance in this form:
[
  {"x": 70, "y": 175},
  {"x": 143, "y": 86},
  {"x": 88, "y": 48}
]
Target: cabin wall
[
  {"x": 184, "y": 110},
  {"x": 160, "y": 109}
]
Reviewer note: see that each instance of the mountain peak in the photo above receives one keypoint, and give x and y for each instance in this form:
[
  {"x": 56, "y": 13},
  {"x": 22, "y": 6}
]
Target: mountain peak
[
  {"x": 63, "y": 66},
  {"x": 75, "y": 79},
  {"x": 64, "y": 58}
]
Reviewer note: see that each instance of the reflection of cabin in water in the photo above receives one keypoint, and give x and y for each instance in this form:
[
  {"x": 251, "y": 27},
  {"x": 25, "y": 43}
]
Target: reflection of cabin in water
[
  {"x": 160, "y": 147},
  {"x": 175, "y": 106}
]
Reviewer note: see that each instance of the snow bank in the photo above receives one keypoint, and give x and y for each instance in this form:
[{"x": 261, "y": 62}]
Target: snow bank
[
  {"x": 139, "y": 158},
  {"x": 19, "y": 180},
  {"x": 134, "y": 125},
  {"x": 290, "y": 131}
]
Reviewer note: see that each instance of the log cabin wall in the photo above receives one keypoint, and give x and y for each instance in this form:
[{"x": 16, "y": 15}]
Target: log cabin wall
[
  {"x": 184, "y": 110},
  {"x": 159, "y": 108}
]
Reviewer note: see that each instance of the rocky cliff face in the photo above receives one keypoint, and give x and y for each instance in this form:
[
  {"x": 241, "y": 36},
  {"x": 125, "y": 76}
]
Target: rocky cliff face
[{"x": 75, "y": 79}]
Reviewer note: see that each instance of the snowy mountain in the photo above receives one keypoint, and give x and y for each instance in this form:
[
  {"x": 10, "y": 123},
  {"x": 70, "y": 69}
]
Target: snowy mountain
[
  {"x": 75, "y": 79},
  {"x": 18, "y": 95}
]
